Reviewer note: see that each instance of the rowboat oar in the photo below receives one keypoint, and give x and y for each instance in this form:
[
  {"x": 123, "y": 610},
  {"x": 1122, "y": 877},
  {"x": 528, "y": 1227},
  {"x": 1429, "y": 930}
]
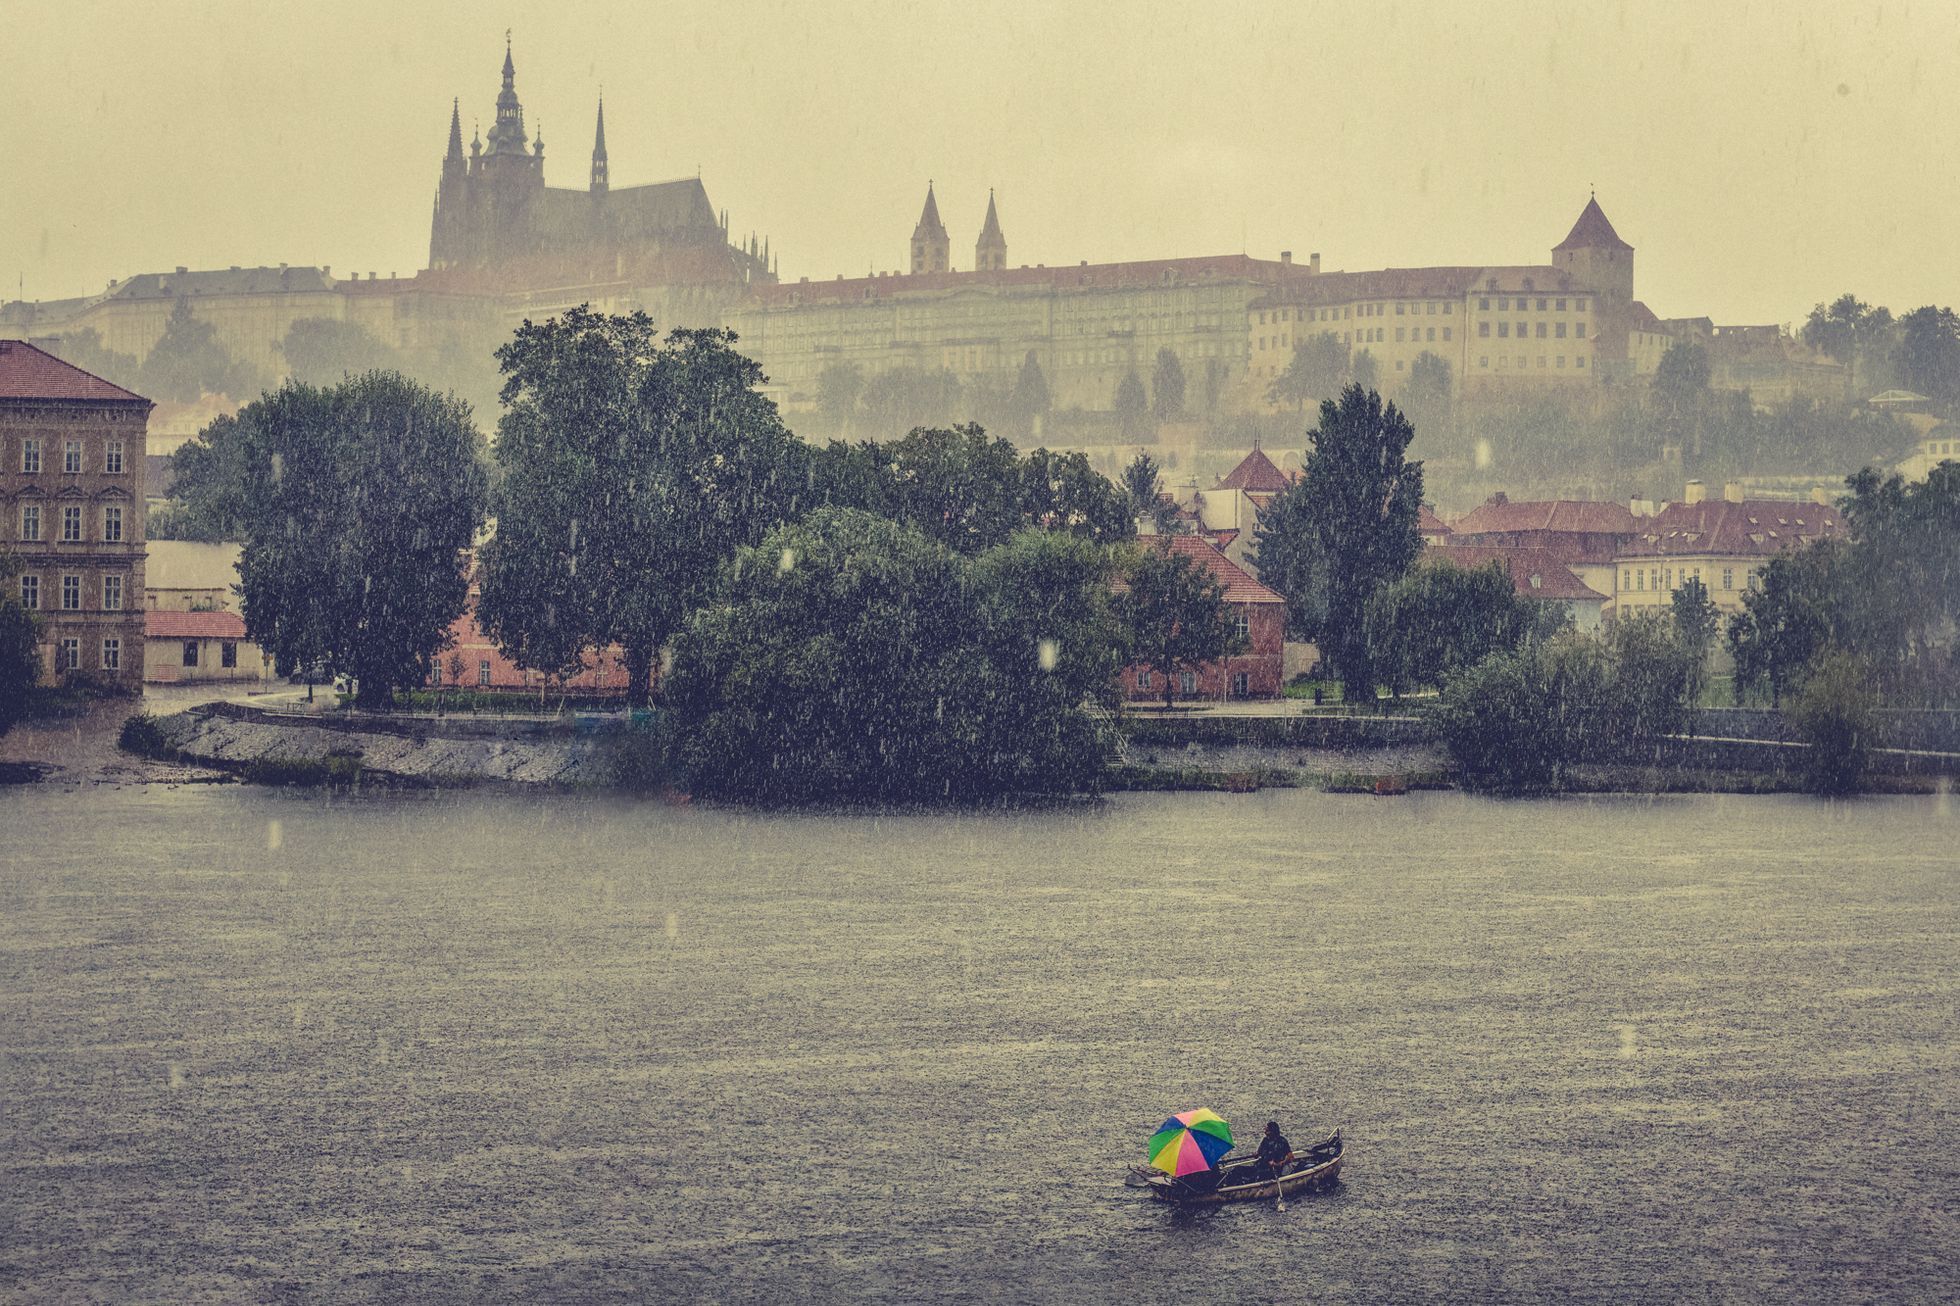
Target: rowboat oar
[{"x": 1279, "y": 1193}]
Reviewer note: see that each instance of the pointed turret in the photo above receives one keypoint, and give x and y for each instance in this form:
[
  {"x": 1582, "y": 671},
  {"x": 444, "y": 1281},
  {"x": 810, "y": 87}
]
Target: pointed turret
[
  {"x": 990, "y": 251},
  {"x": 1592, "y": 231},
  {"x": 537, "y": 146},
  {"x": 931, "y": 250},
  {"x": 1594, "y": 258},
  {"x": 599, "y": 182},
  {"x": 455, "y": 151}
]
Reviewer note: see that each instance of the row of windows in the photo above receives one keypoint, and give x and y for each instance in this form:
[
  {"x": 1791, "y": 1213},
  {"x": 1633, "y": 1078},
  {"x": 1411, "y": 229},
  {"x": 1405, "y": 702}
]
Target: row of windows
[
  {"x": 1635, "y": 579},
  {"x": 1358, "y": 310},
  {"x": 68, "y": 654},
  {"x": 74, "y": 459},
  {"x": 71, "y": 592},
  {"x": 1524, "y": 329},
  {"x": 1504, "y": 362},
  {"x": 227, "y": 654},
  {"x": 32, "y": 526},
  {"x": 1524, "y": 305}
]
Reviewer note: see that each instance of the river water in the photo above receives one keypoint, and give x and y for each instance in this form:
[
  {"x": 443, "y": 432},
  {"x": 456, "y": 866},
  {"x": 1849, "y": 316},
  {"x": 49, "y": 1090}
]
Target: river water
[{"x": 261, "y": 1045}]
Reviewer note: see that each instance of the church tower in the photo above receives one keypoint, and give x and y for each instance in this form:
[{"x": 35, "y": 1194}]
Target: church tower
[
  {"x": 931, "y": 249},
  {"x": 1598, "y": 260},
  {"x": 599, "y": 152},
  {"x": 990, "y": 251},
  {"x": 452, "y": 201}
]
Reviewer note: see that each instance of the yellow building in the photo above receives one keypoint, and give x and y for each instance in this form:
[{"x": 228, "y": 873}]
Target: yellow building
[
  {"x": 1497, "y": 326},
  {"x": 1724, "y": 543}
]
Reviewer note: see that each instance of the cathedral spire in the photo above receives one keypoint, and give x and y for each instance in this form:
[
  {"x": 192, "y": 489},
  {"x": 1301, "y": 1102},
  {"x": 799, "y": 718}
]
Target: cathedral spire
[
  {"x": 931, "y": 250},
  {"x": 599, "y": 149},
  {"x": 507, "y": 133},
  {"x": 455, "y": 154},
  {"x": 990, "y": 251}
]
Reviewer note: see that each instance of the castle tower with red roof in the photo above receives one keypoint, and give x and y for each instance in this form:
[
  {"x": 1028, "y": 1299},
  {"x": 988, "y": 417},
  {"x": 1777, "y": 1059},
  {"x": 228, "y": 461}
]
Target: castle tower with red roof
[{"x": 1595, "y": 256}]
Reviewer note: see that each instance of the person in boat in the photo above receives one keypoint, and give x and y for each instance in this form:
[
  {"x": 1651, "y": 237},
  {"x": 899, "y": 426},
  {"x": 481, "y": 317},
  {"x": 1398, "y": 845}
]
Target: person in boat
[{"x": 1275, "y": 1153}]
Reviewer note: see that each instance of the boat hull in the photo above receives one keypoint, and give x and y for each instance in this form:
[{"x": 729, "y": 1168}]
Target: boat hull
[{"x": 1324, "y": 1170}]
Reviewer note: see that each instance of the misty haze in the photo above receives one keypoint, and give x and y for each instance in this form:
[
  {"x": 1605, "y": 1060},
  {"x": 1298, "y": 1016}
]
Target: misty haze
[{"x": 979, "y": 653}]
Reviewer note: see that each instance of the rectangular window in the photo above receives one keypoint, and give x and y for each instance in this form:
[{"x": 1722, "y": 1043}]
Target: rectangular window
[
  {"x": 1483, "y": 360},
  {"x": 112, "y": 655},
  {"x": 1143, "y": 679},
  {"x": 1242, "y": 626},
  {"x": 1580, "y": 361},
  {"x": 1503, "y": 330},
  {"x": 30, "y": 521},
  {"x": 1187, "y": 683},
  {"x": 228, "y": 655},
  {"x": 1541, "y": 330},
  {"x": 112, "y": 458},
  {"x": 1503, "y": 305},
  {"x": 71, "y": 524},
  {"x": 30, "y": 593},
  {"x": 112, "y": 593},
  {"x": 483, "y": 671},
  {"x": 1626, "y": 580},
  {"x": 1541, "y": 362},
  {"x": 1561, "y": 360},
  {"x": 1579, "y": 330},
  {"x": 1579, "y": 304},
  {"x": 30, "y": 457},
  {"x": 1524, "y": 329},
  {"x": 1541, "y": 306},
  {"x": 1432, "y": 310},
  {"x": 1241, "y": 685},
  {"x": 1398, "y": 334},
  {"x": 1398, "y": 308},
  {"x": 1640, "y": 580},
  {"x": 1446, "y": 333},
  {"x": 1559, "y": 331},
  {"x": 112, "y": 524},
  {"x": 1446, "y": 309},
  {"x": 190, "y": 652},
  {"x": 1483, "y": 304},
  {"x": 71, "y": 593},
  {"x": 1728, "y": 578},
  {"x": 71, "y": 457},
  {"x": 1560, "y": 304},
  {"x": 68, "y": 655}
]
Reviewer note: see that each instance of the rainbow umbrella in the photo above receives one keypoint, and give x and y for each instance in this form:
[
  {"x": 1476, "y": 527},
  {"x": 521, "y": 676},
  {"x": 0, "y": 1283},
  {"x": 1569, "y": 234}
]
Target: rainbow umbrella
[{"x": 1189, "y": 1141}]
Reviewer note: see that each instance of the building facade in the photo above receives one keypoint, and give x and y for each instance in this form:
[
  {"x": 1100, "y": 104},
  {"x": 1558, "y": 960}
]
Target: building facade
[
  {"x": 72, "y": 512},
  {"x": 1260, "y": 614},
  {"x": 193, "y": 647},
  {"x": 1723, "y": 543}
]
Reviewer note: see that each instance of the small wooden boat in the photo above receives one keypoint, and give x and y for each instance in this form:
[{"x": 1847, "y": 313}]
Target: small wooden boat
[{"x": 1243, "y": 1179}]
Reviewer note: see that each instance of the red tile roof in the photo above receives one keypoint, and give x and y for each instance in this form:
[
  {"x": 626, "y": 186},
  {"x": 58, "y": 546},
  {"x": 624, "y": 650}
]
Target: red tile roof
[
  {"x": 30, "y": 373},
  {"x": 1255, "y": 472},
  {"x": 1240, "y": 587},
  {"x": 1428, "y": 523},
  {"x": 1591, "y": 231},
  {"x": 161, "y": 623},
  {"x": 1554, "y": 579},
  {"x": 1752, "y": 528},
  {"x": 1567, "y": 515}
]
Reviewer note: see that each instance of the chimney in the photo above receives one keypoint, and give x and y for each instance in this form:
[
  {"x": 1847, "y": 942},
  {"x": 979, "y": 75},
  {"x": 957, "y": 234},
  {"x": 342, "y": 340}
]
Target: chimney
[
  {"x": 1640, "y": 507},
  {"x": 1821, "y": 497},
  {"x": 1499, "y": 499},
  {"x": 181, "y": 269},
  {"x": 1286, "y": 258},
  {"x": 1732, "y": 491},
  {"x": 1695, "y": 492},
  {"x": 1313, "y": 262}
]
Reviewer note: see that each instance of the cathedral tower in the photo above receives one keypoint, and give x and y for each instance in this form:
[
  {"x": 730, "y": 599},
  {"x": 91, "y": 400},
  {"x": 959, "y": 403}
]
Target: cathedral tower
[
  {"x": 931, "y": 249},
  {"x": 599, "y": 152},
  {"x": 990, "y": 251}
]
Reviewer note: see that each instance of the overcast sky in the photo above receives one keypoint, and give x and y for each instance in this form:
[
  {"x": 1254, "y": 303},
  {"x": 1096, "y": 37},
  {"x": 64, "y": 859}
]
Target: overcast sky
[{"x": 1760, "y": 156}]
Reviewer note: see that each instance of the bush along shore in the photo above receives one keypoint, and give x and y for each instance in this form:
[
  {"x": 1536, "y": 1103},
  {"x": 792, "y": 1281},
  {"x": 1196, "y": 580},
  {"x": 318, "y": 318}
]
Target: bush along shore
[{"x": 1357, "y": 754}]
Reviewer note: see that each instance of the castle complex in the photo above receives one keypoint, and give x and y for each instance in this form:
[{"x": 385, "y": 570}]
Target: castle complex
[{"x": 504, "y": 246}]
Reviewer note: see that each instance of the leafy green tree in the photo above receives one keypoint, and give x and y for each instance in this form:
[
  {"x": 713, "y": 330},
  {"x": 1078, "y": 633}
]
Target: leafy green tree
[
  {"x": 632, "y": 469},
  {"x": 1132, "y": 406},
  {"x": 1214, "y": 385},
  {"x": 838, "y": 388},
  {"x": 1176, "y": 615},
  {"x": 1363, "y": 371},
  {"x": 1928, "y": 354},
  {"x": 1784, "y": 623},
  {"x": 357, "y": 505},
  {"x": 1696, "y": 623},
  {"x": 210, "y": 476},
  {"x": 20, "y": 654},
  {"x": 847, "y": 656},
  {"x": 1062, "y": 492},
  {"x": 1836, "y": 716},
  {"x": 1427, "y": 398},
  {"x": 1143, "y": 488},
  {"x": 904, "y": 398},
  {"x": 1167, "y": 386},
  {"x": 1500, "y": 727},
  {"x": 1344, "y": 529},
  {"x": 189, "y": 361},
  {"x": 1439, "y": 620},
  {"x": 1848, "y": 330},
  {"x": 1031, "y": 399},
  {"x": 84, "y": 349},
  {"x": 321, "y": 351},
  {"x": 1314, "y": 374},
  {"x": 1651, "y": 676},
  {"x": 1681, "y": 380}
]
